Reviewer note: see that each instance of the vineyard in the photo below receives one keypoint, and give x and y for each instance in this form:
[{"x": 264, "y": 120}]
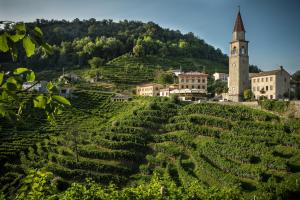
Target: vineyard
[{"x": 201, "y": 146}]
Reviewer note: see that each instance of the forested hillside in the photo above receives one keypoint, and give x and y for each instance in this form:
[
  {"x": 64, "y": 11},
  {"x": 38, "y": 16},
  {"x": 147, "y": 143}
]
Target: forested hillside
[{"x": 90, "y": 43}]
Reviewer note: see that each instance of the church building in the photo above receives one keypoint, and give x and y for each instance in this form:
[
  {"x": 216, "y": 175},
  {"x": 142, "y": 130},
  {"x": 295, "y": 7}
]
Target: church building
[{"x": 238, "y": 62}]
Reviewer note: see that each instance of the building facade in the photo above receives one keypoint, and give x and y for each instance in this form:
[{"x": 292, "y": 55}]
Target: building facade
[
  {"x": 238, "y": 62},
  {"x": 220, "y": 76},
  {"x": 36, "y": 86},
  {"x": 193, "y": 80},
  {"x": 151, "y": 89},
  {"x": 271, "y": 84}
]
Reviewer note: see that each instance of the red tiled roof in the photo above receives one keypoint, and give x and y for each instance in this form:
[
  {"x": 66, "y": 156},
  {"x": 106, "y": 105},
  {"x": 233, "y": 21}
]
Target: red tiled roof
[
  {"x": 267, "y": 73},
  {"x": 239, "y": 26},
  {"x": 193, "y": 74}
]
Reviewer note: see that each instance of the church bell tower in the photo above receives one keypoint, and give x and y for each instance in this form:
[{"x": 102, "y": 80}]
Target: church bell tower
[{"x": 238, "y": 62}]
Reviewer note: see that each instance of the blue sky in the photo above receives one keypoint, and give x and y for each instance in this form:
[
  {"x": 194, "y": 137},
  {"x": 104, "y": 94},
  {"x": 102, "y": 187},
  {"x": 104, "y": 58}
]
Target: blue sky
[{"x": 272, "y": 25}]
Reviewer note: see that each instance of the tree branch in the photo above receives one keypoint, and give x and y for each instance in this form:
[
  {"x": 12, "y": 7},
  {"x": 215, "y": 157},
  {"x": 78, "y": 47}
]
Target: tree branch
[{"x": 25, "y": 90}]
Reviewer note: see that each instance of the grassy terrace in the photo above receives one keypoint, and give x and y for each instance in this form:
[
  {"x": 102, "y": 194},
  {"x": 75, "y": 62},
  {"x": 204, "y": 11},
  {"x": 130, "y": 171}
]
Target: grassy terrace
[{"x": 208, "y": 144}]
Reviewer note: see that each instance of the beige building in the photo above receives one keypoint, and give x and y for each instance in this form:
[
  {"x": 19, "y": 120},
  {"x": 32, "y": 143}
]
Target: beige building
[
  {"x": 220, "y": 76},
  {"x": 192, "y": 86},
  {"x": 150, "y": 89},
  {"x": 193, "y": 80},
  {"x": 271, "y": 84},
  {"x": 238, "y": 62}
]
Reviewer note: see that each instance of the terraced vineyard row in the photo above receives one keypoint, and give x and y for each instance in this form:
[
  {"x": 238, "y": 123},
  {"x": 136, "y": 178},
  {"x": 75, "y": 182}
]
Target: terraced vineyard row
[{"x": 198, "y": 145}]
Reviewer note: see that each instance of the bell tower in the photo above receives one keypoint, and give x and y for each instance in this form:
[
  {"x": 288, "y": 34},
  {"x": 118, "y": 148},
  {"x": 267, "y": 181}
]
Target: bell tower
[{"x": 238, "y": 62}]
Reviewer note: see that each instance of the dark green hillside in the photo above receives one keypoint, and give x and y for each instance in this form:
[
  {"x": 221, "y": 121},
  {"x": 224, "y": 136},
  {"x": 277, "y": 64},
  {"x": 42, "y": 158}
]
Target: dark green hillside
[
  {"x": 201, "y": 146},
  {"x": 76, "y": 44}
]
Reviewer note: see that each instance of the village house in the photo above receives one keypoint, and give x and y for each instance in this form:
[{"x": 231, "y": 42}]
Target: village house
[
  {"x": 165, "y": 92},
  {"x": 192, "y": 86},
  {"x": 220, "y": 76},
  {"x": 271, "y": 84},
  {"x": 121, "y": 98},
  {"x": 150, "y": 89},
  {"x": 193, "y": 80},
  {"x": 66, "y": 92},
  {"x": 40, "y": 86},
  {"x": 176, "y": 72},
  {"x": 69, "y": 78}
]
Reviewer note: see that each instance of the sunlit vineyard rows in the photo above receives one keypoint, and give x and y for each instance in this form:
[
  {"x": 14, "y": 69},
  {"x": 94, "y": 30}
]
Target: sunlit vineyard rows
[{"x": 126, "y": 142}]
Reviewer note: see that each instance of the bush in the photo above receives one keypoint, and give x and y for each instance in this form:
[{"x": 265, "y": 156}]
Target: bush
[{"x": 274, "y": 105}]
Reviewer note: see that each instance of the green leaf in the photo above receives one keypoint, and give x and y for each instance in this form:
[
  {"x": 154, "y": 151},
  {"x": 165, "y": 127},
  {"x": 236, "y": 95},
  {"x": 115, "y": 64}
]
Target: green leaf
[
  {"x": 38, "y": 32},
  {"x": 61, "y": 99},
  {"x": 15, "y": 38},
  {"x": 20, "y": 70},
  {"x": 29, "y": 46},
  {"x": 21, "y": 28},
  {"x": 1, "y": 77},
  {"x": 3, "y": 43},
  {"x": 50, "y": 86},
  {"x": 40, "y": 102},
  {"x": 12, "y": 84},
  {"x": 30, "y": 77},
  {"x": 47, "y": 48}
]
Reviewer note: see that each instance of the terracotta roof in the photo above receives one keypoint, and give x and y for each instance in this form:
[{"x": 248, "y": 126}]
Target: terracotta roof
[
  {"x": 239, "y": 26},
  {"x": 193, "y": 74},
  {"x": 267, "y": 73},
  {"x": 149, "y": 84}
]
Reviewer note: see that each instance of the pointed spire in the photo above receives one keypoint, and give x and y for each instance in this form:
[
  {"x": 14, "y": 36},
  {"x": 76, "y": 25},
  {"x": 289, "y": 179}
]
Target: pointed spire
[{"x": 239, "y": 26}]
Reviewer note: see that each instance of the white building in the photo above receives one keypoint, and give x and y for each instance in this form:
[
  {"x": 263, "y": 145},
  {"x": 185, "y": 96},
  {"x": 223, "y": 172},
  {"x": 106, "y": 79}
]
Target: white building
[
  {"x": 36, "y": 86},
  {"x": 221, "y": 76}
]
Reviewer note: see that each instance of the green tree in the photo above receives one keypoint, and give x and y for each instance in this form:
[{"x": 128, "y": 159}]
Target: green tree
[
  {"x": 96, "y": 62},
  {"x": 164, "y": 77},
  {"x": 248, "y": 94},
  {"x": 138, "y": 50},
  {"x": 296, "y": 76}
]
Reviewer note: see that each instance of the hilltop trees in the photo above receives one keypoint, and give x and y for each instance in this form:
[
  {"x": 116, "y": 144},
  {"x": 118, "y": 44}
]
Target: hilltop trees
[
  {"x": 76, "y": 42},
  {"x": 296, "y": 76}
]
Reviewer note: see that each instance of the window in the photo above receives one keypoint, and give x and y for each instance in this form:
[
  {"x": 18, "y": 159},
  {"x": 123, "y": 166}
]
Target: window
[
  {"x": 187, "y": 80},
  {"x": 193, "y": 86},
  {"x": 254, "y": 80},
  {"x": 182, "y": 80},
  {"x": 203, "y": 87},
  {"x": 267, "y": 79},
  {"x": 253, "y": 89},
  {"x": 233, "y": 51},
  {"x": 186, "y": 86},
  {"x": 258, "y": 80},
  {"x": 267, "y": 88},
  {"x": 182, "y": 86},
  {"x": 243, "y": 50},
  {"x": 203, "y": 80},
  {"x": 271, "y": 78},
  {"x": 193, "y": 80},
  {"x": 262, "y": 79},
  {"x": 199, "y": 81},
  {"x": 257, "y": 88},
  {"x": 198, "y": 86},
  {"x": 271, "y": 96},
  {"x": 271, "y": 87}
]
